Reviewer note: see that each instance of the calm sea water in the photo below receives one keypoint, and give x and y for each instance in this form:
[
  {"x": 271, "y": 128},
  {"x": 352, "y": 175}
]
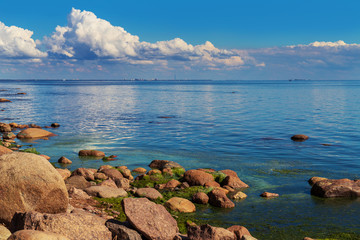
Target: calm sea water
[{"x": 241, "y": 125}]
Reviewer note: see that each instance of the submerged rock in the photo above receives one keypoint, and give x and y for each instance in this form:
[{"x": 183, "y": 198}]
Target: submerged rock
[
  {"x": 91, "y": 153},
  {"x": 34, "y": 133},
  {"x": 299, "y": 138},
  {"x": 35, "y": 185},
  {"x": 269, "y": 195}
]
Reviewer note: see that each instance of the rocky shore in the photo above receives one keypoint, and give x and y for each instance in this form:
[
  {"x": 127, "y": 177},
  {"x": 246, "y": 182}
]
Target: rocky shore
[{"x": 38, "y": 201}]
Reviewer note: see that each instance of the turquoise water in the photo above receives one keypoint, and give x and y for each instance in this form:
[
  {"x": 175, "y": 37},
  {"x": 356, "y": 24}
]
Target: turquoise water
[{"x": 241, "y": 125}]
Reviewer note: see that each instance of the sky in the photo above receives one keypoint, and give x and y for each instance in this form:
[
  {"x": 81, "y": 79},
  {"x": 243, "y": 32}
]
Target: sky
[{"x": 225, "y": 40}]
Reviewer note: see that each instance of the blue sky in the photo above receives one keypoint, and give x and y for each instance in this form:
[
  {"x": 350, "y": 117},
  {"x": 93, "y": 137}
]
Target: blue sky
[{"x": 193, "y": 39}]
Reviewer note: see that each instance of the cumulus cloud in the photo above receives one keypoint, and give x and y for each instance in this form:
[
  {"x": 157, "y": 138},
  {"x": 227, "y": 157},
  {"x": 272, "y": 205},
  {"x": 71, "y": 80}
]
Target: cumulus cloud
[
  {"x": 88, "y": 37},
  {"x": 16, "y": 42}
]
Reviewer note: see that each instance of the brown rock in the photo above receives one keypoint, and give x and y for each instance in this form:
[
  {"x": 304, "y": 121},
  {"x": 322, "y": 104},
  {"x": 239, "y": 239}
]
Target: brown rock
[
  {"x": 4, "y": 100},
  {"x": 161, "y": 164},
  {"x": 108, "y": 183},
  {"x": 269, "y": 195},
  {"x": 197, "y": 177},
  {"x": 79, "y": 225},
  {"x": 100, "y": 176},
  {"x": 4, "y": 150},
  {"x": 239, "y": 196},
  {"x": 234, "y": 182},
  {"x": 4, "y": 233},
  {"x": 239, "y": 231},
  {"x": 45, "y": 156},
  {"x": 229, "y": 172},
  {"x": 299, "y": 137},
  {"x": 112, "y": 173},
  {"x": 64, "y": 173},
  {"x": 218, "y": 198},
  {"x": 180, "y": 205},
  {"x": 78, "y": 193},
  {"x": 4, "y": 127},
  {"x": 91, "y": 153},
  {"x": 8, "y": 136},
  {"x": 14, "y": 125},
  {"x": 126, "y": 173},
  {"x": 209, "y": 232},
  {"x": 123, "y": 183},
  {"x": 200, "y": 197},
  {"x": 36, "y": 235},
  {"x": 103, "y": 167},
  {"x": 77, "y": 182},
  {"x": 55, "y": 125},
  {"x": 212, "y": 184},
  {"x": 150, "y": 219},
  {"x": 313, "y": 180},
  {"x": 105, "y": 192},
  {"x": 336, "y": 188},
  {"x": 173, "y": 183},
  {"x": 140, "y": 170},
  {"x": 34, "y": 133},
  {"x": 154, "y": 172},
  {"x": 35, "y": 186},
  {"x": 86, "y": 173},
  {"x": 150, "y": 193},
  {"x": 64, "y": 160},
  {"x": 122, "y": 230}
]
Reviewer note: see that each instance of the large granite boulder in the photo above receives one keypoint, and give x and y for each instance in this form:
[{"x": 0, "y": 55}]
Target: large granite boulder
[
  {"x": 36, "y": 235},
  {"x": 4, "y": 150},
  {"x": 197, "y": 177},
  {"x": 122, "y": 230},
  {"x": 29, "y": 182},
  {"x": 329, "y": 188},
  {"x": 180, "y": 205},
  {"x": 209, "y": 232},
  {"x": 150, "y": 219},
  {"x": 34, "y": 133},
  {"x": 75, "y": 226}
]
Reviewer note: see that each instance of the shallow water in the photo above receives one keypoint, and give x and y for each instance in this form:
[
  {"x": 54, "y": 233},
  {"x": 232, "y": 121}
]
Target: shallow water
[{"x": 241, "y": 125}]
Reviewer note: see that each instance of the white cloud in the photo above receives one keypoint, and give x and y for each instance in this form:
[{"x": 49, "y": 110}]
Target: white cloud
[
  {"x": 16, "y": 42},
  {"x": 88, "y": 37}
]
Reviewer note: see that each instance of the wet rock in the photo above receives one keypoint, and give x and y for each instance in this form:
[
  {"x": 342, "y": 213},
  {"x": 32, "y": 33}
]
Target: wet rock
[
  {"x": 64, "y": 173},
  {"x": 209, "y": 232},
  {"x": 122, "y": 230},
  {"x": 8, "y": 135},
  {"x": 269, "y": 195},
  {"x": 234, "y": 182},
  {"x": 299, "y": 138},
  {"x": 239, "y": 231},
  {"x": 78, "y": 225},
  {"x": 180, "y": 205},
  {"x": 112, "y": 173},
  {"x": 230, "y": 173},
  {"x": 150, "y": 219},
  {"x": 77, "y": 182},
  {"x": 105, "y": 192},
  {"x": 150, "y": 193},
  {"x": 239, "y": 196},
  {"x": 91, "y": 153},
  {"x": 4, "y": 232},
  {"x": 86, "y": 173},
  {"x": 197, "y": 177},
  {"x": 34, "y": 133},
  {"x": 218, "y": 198},
  {"x": 4, "y": 150},
  {"x": 45, "y": 156},
  {"x": 313, "y": 180},
  {"x": 140, "y": 170},
  {"x": 64, "y": 160},
  {"x": 200, "y": 198},
  {"x": 35, "y": 186},
  {"x": 55, "y": 125},
  {"x": 36, "y": 235},
  {"x": 330, "y": 188},
  {"x": 161, "y": 164},
  {"x": 4, "y": 100},
  {"x": 4, "y": 127}
]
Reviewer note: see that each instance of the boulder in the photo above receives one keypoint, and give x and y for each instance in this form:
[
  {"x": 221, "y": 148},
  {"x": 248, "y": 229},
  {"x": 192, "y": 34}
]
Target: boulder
[
  {"x": 209, "y": 232},
  {"x": 313, "y": 180},
  {"x": 86, "y": 173},
  {"x": 180, "y": 205},
  {"x": 64, "y": 173},
  {"x": 105, "y": 192},
  {"x": 239, "y": 231},
  {"x": 123, "y": 183},
  {"x": 330, "y": 188},
  {"x": 100, "y": 176},
  {"x": 4, "y": 150},
  {"x": 234, "y": 182},
  {"x": 140, "y": 170},
  {"x": 218, "y": 198},
  {"x": 161, "y": 164},
  {"x": 64, "y": 160},
  {"x": 91, "y": 153},
  {"x": 150, "y": 219},
  {"x": 8, "y": 136},
  {"x": 78, "y": 193},
  {"x": 173, "y": 183},
  {"x": 34, "y": 133},
  {"x": 239, "y": 196},
  {"x": 299, "y": 137},
  {"x": 108, "y": 183},
  {"x": 4, "y": 127},
  {"x": 78, "y": 225},
  {"x": 55, "y": 125},
  {"x": 77, "y": 182},
  {"x": 122, "y": 230},
  {"x": 154, "y": 172},
  {"x": 4, "y": 100},
  {"x": 200, "y": 197},
  {"x": 45, "y": 156},
  {"x": 197, "y": 177},
  {"x": 269, "y": 195},
  {"x": 36, "y": 235},
  {"x": 112, "y": 173},
  {"x": 150, "y": 193},
  {"x": 229, "y": 172},
  {"x": 29, "y": 182},
  {"x": 4, "y": 232}
]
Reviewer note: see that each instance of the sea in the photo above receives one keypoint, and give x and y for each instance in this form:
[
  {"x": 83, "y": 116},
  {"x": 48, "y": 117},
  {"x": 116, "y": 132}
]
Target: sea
[{"x": 245, "y": 126}]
